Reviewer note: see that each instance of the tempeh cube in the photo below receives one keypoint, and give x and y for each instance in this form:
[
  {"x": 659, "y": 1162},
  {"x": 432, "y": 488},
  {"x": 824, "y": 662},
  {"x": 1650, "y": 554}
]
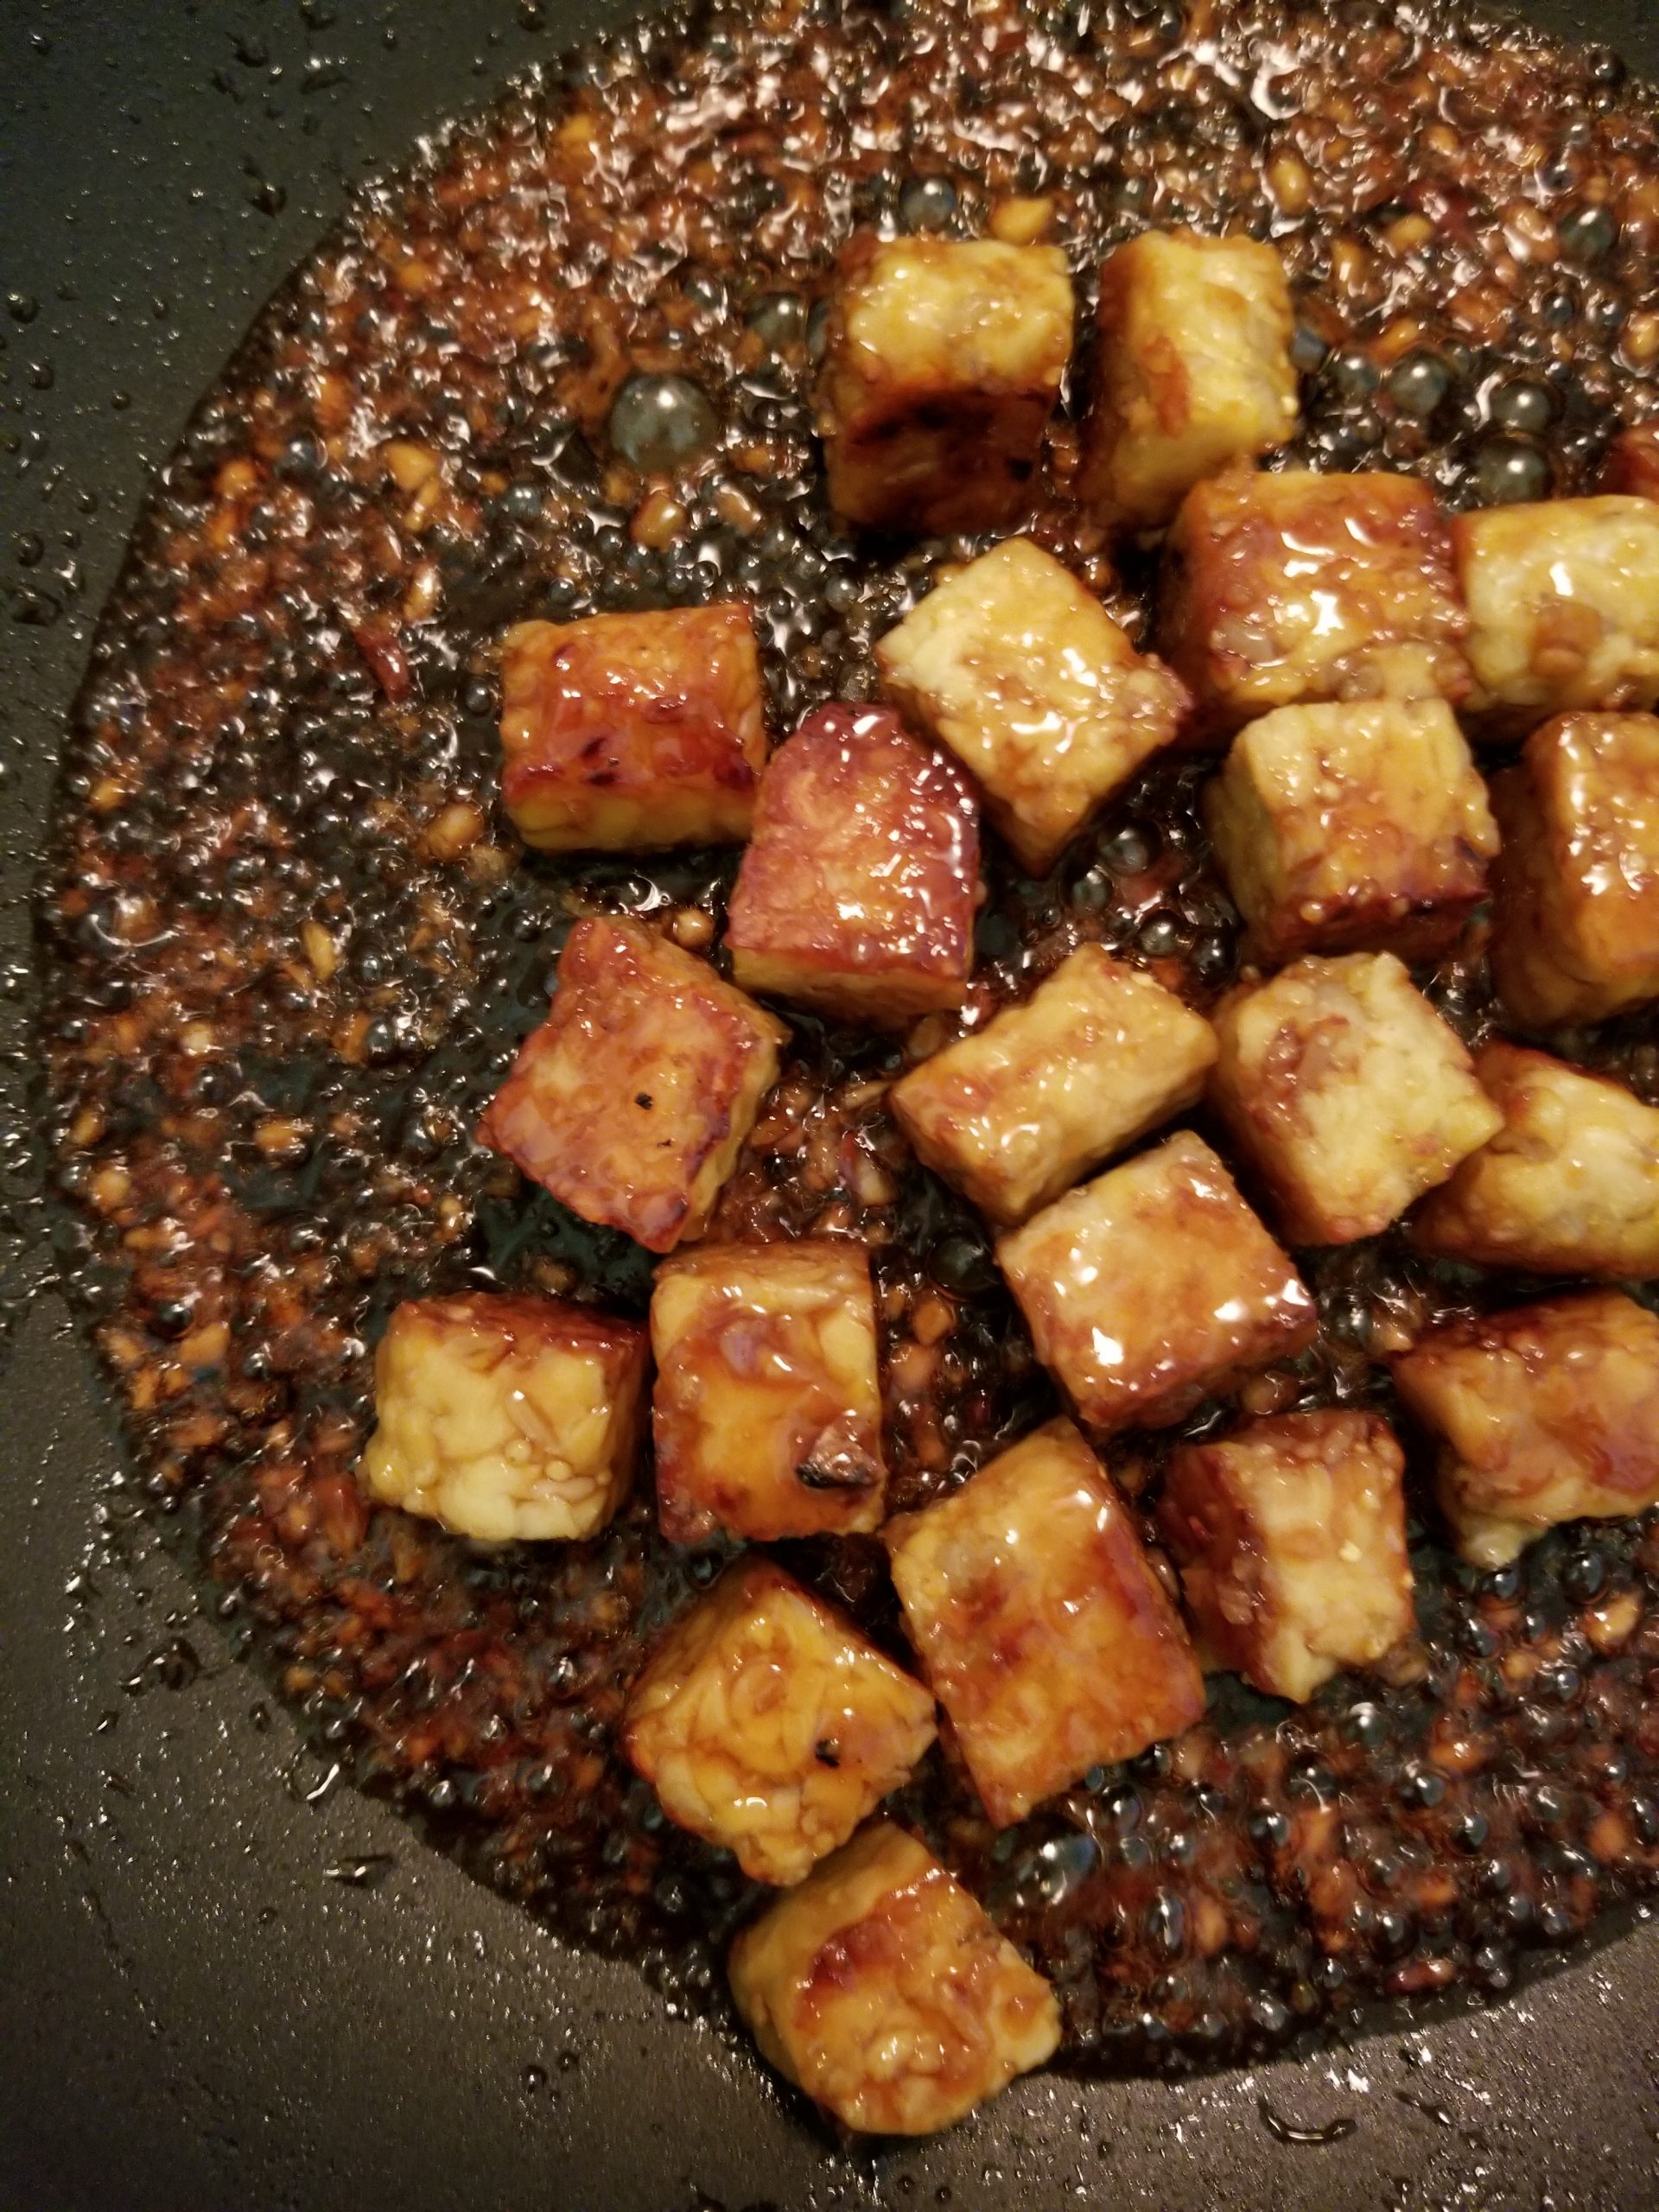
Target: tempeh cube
[
  {"x": 1563, "y": 600},
  {"x": 1347, "y": 1093},
  {"x": 1290, "y": 1534},
  {"x": 1546, "y": 1413},
  {"x": 506, "y": 1417},
  {"x": 943, "y": 363},
  {"x": 767, "y": 1724},
  {"x": 1153, "y": 1288},
  {"x": 1040, "y": 1623},
  {"x": 1575, "y": 920},
  {"x": 1014, "y": 1113},
  {"x": 1632, "y": 463},
  {"x": 856, "y": 895},
  {"x": 1194, "y": 369},
  {"x": 629, "y": 732},
  {"x": 631, "y": 1100},
  {"x": 1026, "y": 677},
  {"x": 882, "y": 1988},
  {"x": 767, "y": 1405},
  {"x": 1568, "y": 1186},
  {"x": 1280, "y": 589},
  {"x": 1358, "y": 826}
]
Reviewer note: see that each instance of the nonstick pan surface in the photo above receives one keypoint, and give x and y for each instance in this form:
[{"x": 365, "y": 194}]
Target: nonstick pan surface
[{"x": 229, "y": 1986}]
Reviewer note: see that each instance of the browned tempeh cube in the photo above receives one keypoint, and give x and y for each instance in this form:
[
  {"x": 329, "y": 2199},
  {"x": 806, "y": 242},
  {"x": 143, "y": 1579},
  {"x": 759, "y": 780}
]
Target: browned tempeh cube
[
  {"x": 1034, "y": 687},
  {"x": 856, "y": 895},
  {"x": 1568, "y": 1186},
  {"x": 1347, "y": 1093},
  {"x": 1290, "y": 1534},
  {"x": 1014, "y": 1113},
  {"x": 1575, "y": 933},
  {"x": 631, "y": 1100},
  {"x": 1041, "y": 1625},
  {"x": 767, "y": 1723},
  {"x": 1153, "y": 1286},
  {"x": 507, "y": 1417},
  {"x": 882, "y": 1988},
  {"x": 1547, "y": 1412},
  {"x": 1563, "y": 600},
  {"x": 630, "y": 731},
  {"x": 768, "y": 1404},
  {"x": 1359, "y": 827},
  {"x": 1283, "y": 588},
  {"x": 943, "y": 363},
  {"x": 1192, "y": 369}
]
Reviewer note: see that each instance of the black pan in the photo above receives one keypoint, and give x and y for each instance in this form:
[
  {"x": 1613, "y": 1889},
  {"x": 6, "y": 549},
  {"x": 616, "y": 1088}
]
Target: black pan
[{"x": 229, "y": 1987}]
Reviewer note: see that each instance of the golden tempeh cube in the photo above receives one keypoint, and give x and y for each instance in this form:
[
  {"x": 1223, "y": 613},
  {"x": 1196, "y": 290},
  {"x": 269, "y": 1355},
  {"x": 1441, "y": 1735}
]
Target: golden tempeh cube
[
  {"x": 856, "y": 895},
  {"x": 1192, "y": 372},
  {"x": 1290, "y": 1534},
  {"x": 942, "y": 363},
  {"x": 1575, "y": 920},
  {"x": 631, "y": 1100},
  {"x": 1040, "y": 1624},
  {"x": 1278, "y": 590},
  {"x": 881, "y": 1987},
  {"x": 767, "y": 1723},
  {"x": 1026, "y": 677},
  {"x": 1568, "y": 1186},
  {"x": 767, "y": 1405},
  {"x": 1358, "y": 827},
  {"x": 1563, "y": 600},
  {"x": 1632, "y": 463},
  {"x": 1014, "y": 1113},
  {"x": 1154, "y": 1287},
  {"x": 506, "y": 1417},
  {"x": 1347, "y": 1093},
  {"x": 1547, "y": 1412},
  {"x": 632, "y": 732}
]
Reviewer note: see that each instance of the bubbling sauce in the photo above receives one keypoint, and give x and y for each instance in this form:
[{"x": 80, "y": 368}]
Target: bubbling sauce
[{"x": 561, "y": 364}]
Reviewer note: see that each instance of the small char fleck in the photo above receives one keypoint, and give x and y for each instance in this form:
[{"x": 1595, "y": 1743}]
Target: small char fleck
[
  {"x": 322, "y": 73},
  {"x": 1428, "y": 2108},
  {"x": 1334, "y": 2131},
  {"x": 643, "y": 1098},
  {"x": 826, "y": 1751},
  {"x": 844, "y": 1476},
  {"x": 366, "y": 1872},
  {"x": 35, "y": 610},
  {"x": 315, "y": 1794},
  {"x": 172, "y": 1666}
]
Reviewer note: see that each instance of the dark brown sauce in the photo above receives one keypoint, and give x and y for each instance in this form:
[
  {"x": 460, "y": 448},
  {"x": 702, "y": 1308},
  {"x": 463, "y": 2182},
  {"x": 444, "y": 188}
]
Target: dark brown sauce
[{"x": 293, "y": 944}]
